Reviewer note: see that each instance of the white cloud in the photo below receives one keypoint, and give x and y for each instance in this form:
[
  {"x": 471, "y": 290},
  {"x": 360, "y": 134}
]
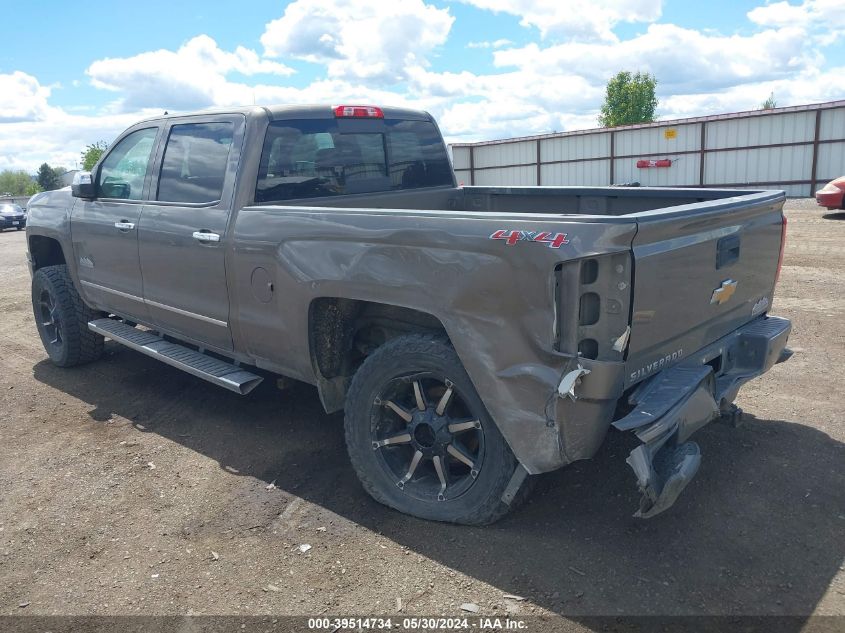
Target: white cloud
[
  {"x": 532, "y": 89},
  {"x": 332, "y": 91},
  {"x": 495, "y": 44},
  {"x": 825, "y": 19},
  {"x": 813, "y": 86},
  {"x": 561, "y": 86},
  {"x": 194, "y": 76},
  {"x": 22, "y": 98},
  {"x": 827, "y": 13},
  {"x": 778, "y": 14},
  {"x": 578, "y": 19},
  {"x": 505, "y": 118},
  {"x": 58, "y": 135},
  {"x": 359, "y": 39},
  {"x": 369, "y": 52},
  {"x": 59, "y": 138},
  {"x": 683, "y": 60}
]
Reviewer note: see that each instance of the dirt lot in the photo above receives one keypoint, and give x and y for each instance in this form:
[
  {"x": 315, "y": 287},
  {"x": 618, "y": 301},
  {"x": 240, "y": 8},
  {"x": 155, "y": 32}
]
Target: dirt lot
[{"x": 127, "y": 487}]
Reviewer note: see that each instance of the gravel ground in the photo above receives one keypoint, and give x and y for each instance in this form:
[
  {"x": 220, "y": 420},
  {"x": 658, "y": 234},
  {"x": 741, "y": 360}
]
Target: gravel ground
[{"x": 127, "y": 487}]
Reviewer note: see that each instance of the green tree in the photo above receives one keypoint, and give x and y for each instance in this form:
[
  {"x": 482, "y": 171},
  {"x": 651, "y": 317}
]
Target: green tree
[
  {"x": 770, "y": 103},
  {"x": 49, "y": 178},
  {"x": 16, "y": 183},
  {"x": 60, "y": 172},
  {"x": 629, "y": 99},
  {"x": 32, "y": 188},
  {"x": 92, "y": 154}
]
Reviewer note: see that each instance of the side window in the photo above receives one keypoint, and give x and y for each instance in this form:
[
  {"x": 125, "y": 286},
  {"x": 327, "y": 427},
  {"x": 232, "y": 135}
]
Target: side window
[
  {"x": 123, "y": 170},
  {"x": 417, "y": 155},
  {"x": 194, "y": 164}
]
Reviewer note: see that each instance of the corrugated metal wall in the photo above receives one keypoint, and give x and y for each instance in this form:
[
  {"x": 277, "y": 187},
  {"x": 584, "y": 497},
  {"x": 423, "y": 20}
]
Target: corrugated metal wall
[{"x": 796, "y": 149}]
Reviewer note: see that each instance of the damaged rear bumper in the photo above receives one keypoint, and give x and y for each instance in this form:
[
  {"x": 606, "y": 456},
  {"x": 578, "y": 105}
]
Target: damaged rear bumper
[{"x": 672, "y": 405}]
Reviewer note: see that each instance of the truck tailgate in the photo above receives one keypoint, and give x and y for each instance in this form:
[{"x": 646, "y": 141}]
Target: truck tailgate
[{"x": 700, "y": 273}]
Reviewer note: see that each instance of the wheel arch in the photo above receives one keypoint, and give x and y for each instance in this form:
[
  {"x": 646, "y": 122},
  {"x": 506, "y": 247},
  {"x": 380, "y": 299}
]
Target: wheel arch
[
  {"x": 342, "y": 332},
  {"x": 45, "y": 251}
]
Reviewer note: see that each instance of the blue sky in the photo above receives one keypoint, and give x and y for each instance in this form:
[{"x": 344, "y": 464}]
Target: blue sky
[{"x": 485, "y": 68}]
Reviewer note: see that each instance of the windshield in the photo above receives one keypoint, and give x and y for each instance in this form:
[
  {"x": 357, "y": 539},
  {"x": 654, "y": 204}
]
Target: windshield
[
  {"x": 10, "y": 209},
  {"x": 320, "y": 157}
]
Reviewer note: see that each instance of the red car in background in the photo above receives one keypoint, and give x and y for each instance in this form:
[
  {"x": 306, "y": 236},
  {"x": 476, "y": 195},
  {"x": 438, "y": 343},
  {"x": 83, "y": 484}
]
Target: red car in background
[{"x": 832, "y": 195}]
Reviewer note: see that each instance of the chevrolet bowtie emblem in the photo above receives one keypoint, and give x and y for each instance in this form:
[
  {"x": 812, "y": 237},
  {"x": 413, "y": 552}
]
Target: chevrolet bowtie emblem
[{"x": 724, "y": 292}]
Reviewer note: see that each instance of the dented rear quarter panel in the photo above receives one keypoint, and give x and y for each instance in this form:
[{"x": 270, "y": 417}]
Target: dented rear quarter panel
[{"x": 495, "y": 301}]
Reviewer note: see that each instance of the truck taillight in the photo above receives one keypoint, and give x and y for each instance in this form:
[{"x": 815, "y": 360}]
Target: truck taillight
[
  {"x": 593, "y": 298},
  {"x": 358, "y": 112},
  {"x": 782, "y": 246}
]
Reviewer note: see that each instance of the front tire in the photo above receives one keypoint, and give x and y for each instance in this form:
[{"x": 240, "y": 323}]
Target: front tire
[
  {"x": 419, "y": 437},
  {"x": 62, "y": 318}
]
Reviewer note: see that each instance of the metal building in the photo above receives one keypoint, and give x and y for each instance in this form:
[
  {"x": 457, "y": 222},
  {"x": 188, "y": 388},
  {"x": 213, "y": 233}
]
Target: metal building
[{"x": 796, "y": 149}]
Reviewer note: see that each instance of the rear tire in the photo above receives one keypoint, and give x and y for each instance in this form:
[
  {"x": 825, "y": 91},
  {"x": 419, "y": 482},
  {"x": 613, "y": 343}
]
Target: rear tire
[
  {"x": 62, "y": 318},
  {"x": 464, "y": 463}
]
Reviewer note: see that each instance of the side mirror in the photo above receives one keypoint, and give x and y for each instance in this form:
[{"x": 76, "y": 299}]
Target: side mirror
[{"x": 83, "y": 185}]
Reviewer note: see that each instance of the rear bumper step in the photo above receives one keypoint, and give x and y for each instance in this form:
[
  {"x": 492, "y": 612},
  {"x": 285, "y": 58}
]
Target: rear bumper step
[
  {"x": 666, "y": 462},
  {"x": 663, "y": 476},
  {"x": 679, "y": 400},
  {"x": 216, "y": 371}
]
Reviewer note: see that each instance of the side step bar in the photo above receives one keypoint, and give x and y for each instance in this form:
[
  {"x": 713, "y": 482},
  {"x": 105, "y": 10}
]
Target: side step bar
[{"x": 211, "y": 369}]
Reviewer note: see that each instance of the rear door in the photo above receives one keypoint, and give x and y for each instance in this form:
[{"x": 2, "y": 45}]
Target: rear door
[
  {"x": 105, "y": 230},
  {"x": 182, "y": 232},
  {"x": 701, "y": 271}
]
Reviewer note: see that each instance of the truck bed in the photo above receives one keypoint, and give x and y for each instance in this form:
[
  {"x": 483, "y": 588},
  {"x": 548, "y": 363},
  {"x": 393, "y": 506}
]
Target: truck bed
[
  {"x": 684, "y": 246},
  {"x": 593, "y": 201}
]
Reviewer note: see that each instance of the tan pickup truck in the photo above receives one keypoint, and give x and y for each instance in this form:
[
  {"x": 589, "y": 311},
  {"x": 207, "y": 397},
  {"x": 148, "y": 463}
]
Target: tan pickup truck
[{"x": 473, "y": 335}]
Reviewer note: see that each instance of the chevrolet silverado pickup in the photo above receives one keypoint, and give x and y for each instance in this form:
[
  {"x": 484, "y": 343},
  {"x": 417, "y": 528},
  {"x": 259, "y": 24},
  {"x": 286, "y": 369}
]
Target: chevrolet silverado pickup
[{"x": 473, "y": 336}]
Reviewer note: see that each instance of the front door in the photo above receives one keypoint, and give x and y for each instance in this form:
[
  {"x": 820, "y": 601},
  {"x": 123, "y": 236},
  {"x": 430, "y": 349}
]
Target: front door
[
  {"x": 182, "y": 233},
  {"x": 105, "y": 229}
]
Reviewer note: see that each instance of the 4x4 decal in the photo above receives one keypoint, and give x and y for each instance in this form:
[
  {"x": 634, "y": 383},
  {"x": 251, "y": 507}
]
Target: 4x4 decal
[{"x": 541, "y": 237}]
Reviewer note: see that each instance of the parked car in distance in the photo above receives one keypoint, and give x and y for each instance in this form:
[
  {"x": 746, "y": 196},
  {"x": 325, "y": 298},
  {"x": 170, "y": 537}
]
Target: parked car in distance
[
  {"x": 832, "y": 195},
  {"x": 12, "y": 217}
]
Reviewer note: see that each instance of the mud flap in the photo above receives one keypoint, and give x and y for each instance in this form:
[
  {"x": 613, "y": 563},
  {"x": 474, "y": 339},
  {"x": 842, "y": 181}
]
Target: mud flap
[{"x": 666, "y": 462}]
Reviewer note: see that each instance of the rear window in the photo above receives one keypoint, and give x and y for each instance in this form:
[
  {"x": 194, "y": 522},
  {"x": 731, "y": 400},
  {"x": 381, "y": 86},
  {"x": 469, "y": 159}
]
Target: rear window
[{"x": 311, "y": 158}]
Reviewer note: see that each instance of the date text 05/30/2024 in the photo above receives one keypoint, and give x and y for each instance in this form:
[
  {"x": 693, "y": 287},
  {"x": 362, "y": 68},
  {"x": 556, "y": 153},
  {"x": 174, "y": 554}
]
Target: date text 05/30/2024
[{"x": 417, "y": 624}]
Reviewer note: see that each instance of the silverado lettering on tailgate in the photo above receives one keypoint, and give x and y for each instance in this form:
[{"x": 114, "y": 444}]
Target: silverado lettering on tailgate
[{"x": 656, "y": 365}]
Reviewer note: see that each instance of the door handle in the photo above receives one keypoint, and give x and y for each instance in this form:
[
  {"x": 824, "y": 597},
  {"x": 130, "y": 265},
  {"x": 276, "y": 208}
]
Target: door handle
[
  {"x": 727, "y": 251},
  {"x": 123, "y": 225},
  {"x": 206, "y": 236}
]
